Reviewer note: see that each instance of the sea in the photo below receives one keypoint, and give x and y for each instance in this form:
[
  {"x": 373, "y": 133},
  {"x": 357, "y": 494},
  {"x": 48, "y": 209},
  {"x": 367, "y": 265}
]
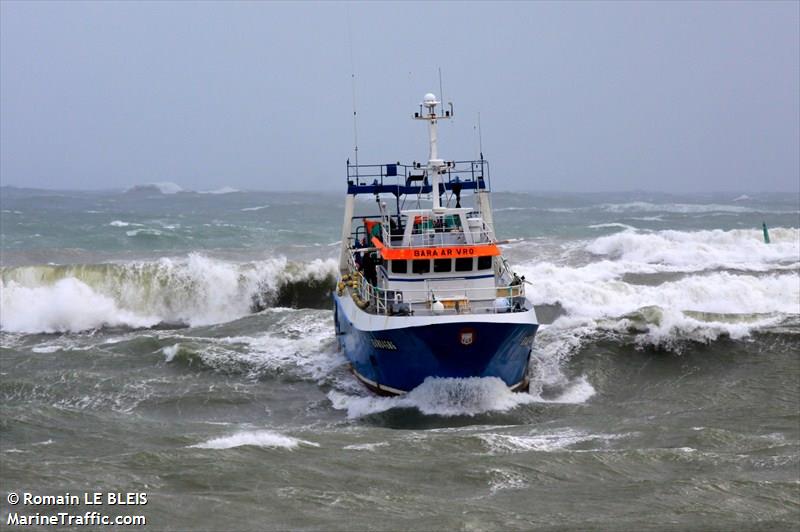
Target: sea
[{"x": 180, "y": 345}]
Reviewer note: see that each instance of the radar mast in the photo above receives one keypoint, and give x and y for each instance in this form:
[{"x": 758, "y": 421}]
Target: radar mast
[{"x": 436, "y": 166}]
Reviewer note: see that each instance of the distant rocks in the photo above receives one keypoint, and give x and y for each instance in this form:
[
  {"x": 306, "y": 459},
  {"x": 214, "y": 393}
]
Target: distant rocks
[{"x": 149, "y": 189}]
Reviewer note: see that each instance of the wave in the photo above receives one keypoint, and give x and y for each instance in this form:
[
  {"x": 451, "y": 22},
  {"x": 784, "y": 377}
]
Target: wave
[
  {"x": 698, "y": 307},
  {"x": 665, "y": 290},
  {"x": 678, "y": 208},
  {"x": 194, "y": 291},
  {"x": 223, "y": 190}
]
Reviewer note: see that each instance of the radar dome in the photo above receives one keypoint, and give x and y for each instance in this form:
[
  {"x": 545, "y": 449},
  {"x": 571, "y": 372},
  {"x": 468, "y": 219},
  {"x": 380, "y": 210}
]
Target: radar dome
[{"x": 429, "y": 99}]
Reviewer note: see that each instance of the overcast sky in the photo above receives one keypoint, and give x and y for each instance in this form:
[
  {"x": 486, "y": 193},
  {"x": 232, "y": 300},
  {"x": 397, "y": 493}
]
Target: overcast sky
[{"x": 578, "y": 96}]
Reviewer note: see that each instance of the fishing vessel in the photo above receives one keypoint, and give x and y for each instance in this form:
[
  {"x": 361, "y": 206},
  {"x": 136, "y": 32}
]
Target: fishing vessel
[{"x": 423, "y": 288}]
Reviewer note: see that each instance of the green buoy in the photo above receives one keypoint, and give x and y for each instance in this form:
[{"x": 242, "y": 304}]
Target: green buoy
[{"x": 766, "y": 232}]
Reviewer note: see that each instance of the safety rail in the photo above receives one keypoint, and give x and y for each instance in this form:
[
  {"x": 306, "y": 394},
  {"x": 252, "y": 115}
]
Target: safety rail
[
  {"x": 496, "y": 299},
  {"x": 474, "y": 173}
]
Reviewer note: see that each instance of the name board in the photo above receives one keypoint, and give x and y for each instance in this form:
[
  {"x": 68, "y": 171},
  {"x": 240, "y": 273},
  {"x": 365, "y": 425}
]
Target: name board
[
  {"x": 446, "y": 252},
  {"x": 433, "y": 253}
]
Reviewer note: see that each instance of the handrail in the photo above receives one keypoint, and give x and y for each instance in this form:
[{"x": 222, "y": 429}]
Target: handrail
[{"x": 366, "y": 174}]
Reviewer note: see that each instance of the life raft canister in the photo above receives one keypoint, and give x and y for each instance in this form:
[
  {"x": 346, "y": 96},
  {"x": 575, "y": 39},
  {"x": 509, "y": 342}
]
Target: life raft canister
[{"x": 373, "y": 230}]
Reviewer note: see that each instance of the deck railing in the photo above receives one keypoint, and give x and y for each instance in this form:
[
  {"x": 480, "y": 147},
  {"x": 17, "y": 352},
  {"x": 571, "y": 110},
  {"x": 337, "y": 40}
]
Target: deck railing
[
  {"x": 437, "y": 236},
  {"x": 412, "y": 174}
]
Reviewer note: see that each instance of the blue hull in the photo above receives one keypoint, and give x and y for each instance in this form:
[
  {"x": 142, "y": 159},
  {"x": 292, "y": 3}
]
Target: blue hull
[{"x": 394, "y": 361}]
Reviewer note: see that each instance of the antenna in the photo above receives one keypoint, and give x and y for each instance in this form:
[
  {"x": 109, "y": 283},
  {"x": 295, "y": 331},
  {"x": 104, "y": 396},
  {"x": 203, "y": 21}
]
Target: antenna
[
  {"x": 355, "y": 123},
  {"x": 353, "y": 79},
  {"x": 441, "y": 92},
  {"x": 480, "y": 137}
]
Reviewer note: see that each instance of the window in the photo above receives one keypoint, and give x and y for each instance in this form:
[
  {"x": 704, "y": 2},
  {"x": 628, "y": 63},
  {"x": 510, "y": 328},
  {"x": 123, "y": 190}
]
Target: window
[
  {"x": 399, "y": 266},
  {"x": 442, "y": 265},
  {"x": 484, "y": 263},
  {"x": 464, "y": 265},
  {"x": 421, "y": 266}
]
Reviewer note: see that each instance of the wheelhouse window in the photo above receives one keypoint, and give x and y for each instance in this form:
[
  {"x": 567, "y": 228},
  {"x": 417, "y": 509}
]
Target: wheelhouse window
[
  {"x": 399, "y": 266},
  {"x": 464, "y": 265},
  {"x": 420, "y": 266},
  {"x": 442, "y": 265},
  {"x": 484, "y": 263}
]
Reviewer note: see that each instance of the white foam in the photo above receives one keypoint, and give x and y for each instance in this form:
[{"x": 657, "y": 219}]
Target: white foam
[
  {"x": 542, "y": 442},
  {"x": 255, "y": 208},
  {"x": 575, "y": 391},
  {"x": 647, "y": 218},
  {"x": 167, "y": 187},
  {"x": 170, "y": 352},
  {"x": 366, "y": 446},
  {"x": 300, "y": 348},
  {"x": 148, "y": 232},
  {"x": 504, "y": 479},
  {"x": 47, "y": 349},
  {"x": 259, "y": 438},
  {"x": 441, "y": 397},
  {"x": 612, "y": 225}
]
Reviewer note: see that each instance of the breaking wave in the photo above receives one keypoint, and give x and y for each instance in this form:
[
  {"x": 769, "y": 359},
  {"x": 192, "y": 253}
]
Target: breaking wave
[
  {"x": 667, "y": 288},
  {"x": 197, "y": 290},
  {"x": 701, "y": 250}
]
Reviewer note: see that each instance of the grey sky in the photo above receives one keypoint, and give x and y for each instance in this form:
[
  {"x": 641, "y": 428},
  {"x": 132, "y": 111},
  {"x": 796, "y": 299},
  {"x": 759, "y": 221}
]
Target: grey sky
[{"x": 573, "y": 96}]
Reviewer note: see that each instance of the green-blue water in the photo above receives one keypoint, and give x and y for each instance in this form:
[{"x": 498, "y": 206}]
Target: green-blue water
[{"x": 182, "y": 345}]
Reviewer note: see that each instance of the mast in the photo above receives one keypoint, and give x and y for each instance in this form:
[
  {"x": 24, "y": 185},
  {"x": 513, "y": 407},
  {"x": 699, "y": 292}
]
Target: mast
[{"x": 435, "y": 164}]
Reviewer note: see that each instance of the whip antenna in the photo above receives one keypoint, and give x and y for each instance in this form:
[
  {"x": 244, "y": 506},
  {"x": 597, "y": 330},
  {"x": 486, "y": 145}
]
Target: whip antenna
[
  {"x": 441, "y": 92},
  {"x": 353, "y": 80},
  {"x": 480, "y": 137}
]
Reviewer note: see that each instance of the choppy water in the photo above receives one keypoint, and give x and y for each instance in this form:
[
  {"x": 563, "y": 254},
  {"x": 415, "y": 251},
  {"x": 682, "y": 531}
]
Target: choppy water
[{"x": 182, "y": 345}]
